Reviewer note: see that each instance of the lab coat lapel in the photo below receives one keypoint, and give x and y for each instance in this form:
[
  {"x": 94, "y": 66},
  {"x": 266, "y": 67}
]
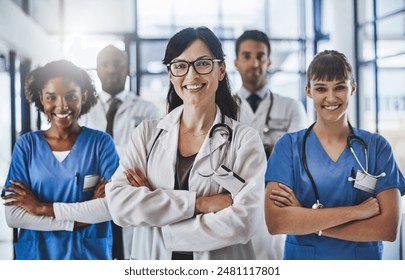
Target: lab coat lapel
[{"x": 170, "y": 124}]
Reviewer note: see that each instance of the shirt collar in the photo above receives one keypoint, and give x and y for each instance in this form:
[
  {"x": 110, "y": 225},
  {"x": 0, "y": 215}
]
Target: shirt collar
[
  {"x": 263, "y": 92},
  {"x": 105, "y": 97}
]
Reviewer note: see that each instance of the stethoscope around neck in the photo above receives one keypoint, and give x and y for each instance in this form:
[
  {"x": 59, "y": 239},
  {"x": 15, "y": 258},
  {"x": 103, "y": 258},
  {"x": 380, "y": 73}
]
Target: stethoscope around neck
[
  {"x": 266, "y": 128},
  {"x": 350, "y": 138},
  {"x": 223, "y": 129}
]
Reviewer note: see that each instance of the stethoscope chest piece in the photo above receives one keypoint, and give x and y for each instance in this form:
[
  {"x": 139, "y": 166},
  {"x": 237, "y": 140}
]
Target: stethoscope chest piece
[{"x": 317, "y": 205}]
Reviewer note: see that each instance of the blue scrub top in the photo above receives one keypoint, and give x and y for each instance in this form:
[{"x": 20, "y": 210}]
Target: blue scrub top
[
  {"x": 331, "y": 178},
  {"x": 34, "y": 164}
]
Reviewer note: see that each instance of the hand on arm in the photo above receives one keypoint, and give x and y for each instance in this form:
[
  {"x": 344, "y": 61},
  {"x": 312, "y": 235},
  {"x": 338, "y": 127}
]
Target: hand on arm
[
  {"x": 381, "y": 226},
  {"x": 99, "y": 191},
  {"x": 24, "y": 198},
  {"x": 368, "y": 208},
  {"x": 285, "y": 215},
  {"x": 284, "y": 197},
  {"x": 212, "y": 204},
  {"x": 137, "y": 179}
]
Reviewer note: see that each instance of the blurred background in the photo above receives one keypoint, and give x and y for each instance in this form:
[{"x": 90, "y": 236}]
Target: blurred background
[{"x": 370, "y": 32}]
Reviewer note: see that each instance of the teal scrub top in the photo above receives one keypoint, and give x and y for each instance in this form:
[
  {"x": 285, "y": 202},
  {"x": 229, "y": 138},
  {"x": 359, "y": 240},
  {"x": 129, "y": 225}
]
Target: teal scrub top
[
  {"x": 331, "y": 178},
  {"x": 34, "y": 164}
]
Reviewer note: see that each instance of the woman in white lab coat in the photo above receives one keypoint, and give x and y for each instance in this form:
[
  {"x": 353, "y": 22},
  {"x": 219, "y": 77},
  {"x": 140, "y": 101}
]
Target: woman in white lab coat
[{"x": 176, "y": 209}]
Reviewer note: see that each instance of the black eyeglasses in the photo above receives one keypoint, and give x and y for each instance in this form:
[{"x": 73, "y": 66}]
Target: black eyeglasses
[{"x": 201, "y": 66}]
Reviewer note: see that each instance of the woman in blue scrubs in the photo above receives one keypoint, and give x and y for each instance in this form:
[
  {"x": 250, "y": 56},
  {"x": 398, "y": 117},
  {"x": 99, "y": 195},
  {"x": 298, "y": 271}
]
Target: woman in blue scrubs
[
  {"x": 331, "y": 201},
  {"x": 55, "y": 186}
]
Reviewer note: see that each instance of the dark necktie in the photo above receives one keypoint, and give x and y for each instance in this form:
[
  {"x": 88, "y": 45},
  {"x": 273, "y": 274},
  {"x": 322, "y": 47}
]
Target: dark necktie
[
  {"x": 117, "y": 246},
  {"x": 254, "y": 101},
  {"x": 114, "y": 104}
]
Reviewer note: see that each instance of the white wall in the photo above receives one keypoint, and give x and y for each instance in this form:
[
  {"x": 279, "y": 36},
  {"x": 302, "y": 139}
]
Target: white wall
[{"x": 20, "y": 33}]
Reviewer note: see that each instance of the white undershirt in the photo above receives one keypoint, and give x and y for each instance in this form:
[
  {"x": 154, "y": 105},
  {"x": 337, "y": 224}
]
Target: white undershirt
[{"x": 60, "y": 155}]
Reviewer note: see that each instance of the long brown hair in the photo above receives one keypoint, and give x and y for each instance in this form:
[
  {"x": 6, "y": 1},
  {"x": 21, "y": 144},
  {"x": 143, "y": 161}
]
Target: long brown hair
[{"x": 177, "y": 44}]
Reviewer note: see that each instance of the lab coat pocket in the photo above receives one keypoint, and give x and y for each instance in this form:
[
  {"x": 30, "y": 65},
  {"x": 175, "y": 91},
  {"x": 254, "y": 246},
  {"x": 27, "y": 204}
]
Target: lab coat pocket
[
  {"x": 279, "y": 125},
  {"x": 96, "y": 248},
  {"x": 298, "y": 252},
  {"x": 369, "y": 252}
]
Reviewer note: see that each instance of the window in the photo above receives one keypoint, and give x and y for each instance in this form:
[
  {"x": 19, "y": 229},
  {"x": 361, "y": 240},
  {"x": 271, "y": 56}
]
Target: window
[
  {"x": 381, "y": 87},
  {"x": 228, "y": 19}
]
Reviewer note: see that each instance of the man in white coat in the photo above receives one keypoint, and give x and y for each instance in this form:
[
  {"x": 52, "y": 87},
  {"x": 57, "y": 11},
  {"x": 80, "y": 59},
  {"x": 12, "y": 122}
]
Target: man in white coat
[
  {"x": 271, "y": 114},
  {"x": 118, "y": 111}
]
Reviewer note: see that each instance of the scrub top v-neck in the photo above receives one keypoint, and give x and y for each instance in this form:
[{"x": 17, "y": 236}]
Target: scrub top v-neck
[
  {"x": 34, "y": 164},
  {"x": 331, "y": 177}
]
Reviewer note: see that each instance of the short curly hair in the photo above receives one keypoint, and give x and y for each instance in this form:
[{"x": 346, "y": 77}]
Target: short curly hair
[{"x": 37, "y": 79}]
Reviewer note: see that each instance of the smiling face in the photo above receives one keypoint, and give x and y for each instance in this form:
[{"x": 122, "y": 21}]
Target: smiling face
[
  {"x": 193, "y": 88},
  {"x": 331, "y": 98},
  {"x": 62, "y": 101}
]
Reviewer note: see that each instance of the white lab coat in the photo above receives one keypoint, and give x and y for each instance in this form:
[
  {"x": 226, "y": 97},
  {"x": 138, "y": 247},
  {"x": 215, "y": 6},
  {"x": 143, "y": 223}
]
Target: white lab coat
[
  {"x": 164, "y": 218},
  {"x": 130, "y": 114},
  {"x": 287, "y": 115}
]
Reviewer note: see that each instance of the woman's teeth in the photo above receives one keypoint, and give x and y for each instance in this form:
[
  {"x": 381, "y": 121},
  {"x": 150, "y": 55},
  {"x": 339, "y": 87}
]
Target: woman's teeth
[
  {"x": 331, "y": 107},
  {"x": 193, "y": 87},
  {"x": 62, "y": 116}
]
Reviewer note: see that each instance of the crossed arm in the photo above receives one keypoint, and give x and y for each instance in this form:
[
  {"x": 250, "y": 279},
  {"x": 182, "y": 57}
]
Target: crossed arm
[
  {"x": 203, "y": 205},
  {"x": 374, "y": 219},
  {"x": 22, "y": 197}
]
